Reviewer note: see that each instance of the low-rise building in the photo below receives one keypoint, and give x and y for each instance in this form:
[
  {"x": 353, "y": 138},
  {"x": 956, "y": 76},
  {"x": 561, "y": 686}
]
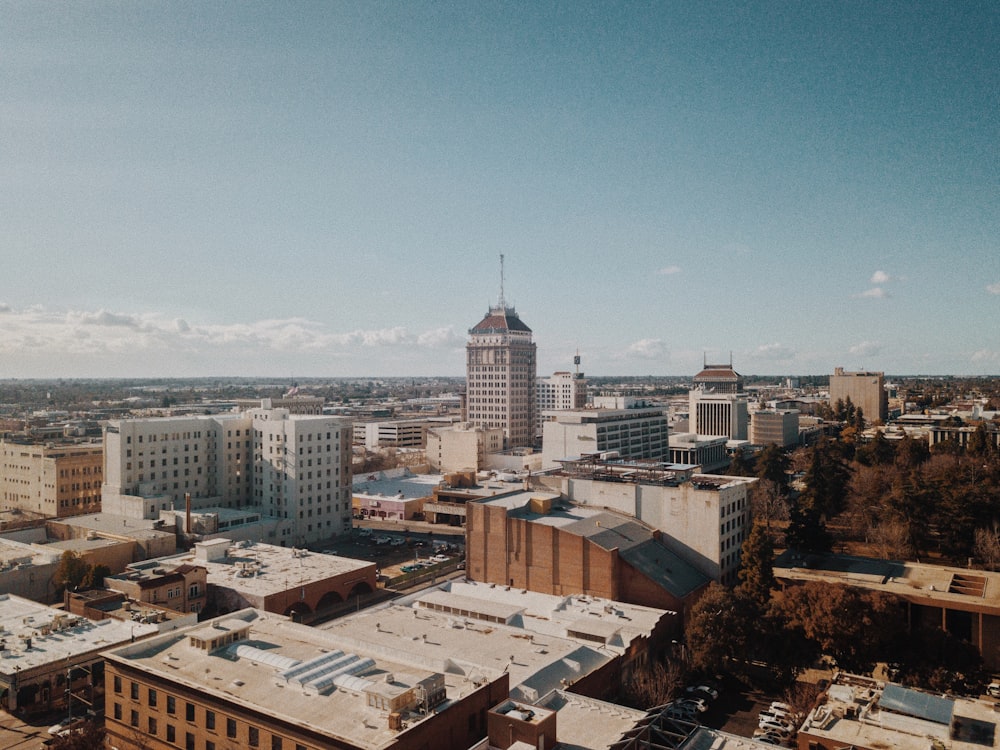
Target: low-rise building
[
  {"x": 254, "y": 679},
  {"x": 707, "y": 451},
  {"x": 964, "y": 602},
  {"x": 393, "y": 433},
  {"x": 182, "y": 588},
  {"x": 636, "y": 431},
  {"x": 860, "y": 713},
  {"x": 294, "y": 582},
  {"x": 48, "y": 656},
  {"x": 775, "y": 426},
  {"x": 462, "y": 446},
  {"x": 397, "y": 494},
  {"x": 537, "y": 542}
]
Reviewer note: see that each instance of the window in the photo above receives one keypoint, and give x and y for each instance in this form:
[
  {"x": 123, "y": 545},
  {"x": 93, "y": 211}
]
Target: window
[
  {"x": 152, "y": 726},
  {"x": 171, "y": 705},
  {"x": 189, "y": 711},
  {"x": 134, "y": 718},
  {"x": 118, "y": 684},
  {"x": 275, "y": 742},
  {"x": 152, "y": 697},
  {"x": 253, "y": 738},
  {"x": 231, "y": 728},
  {"x": 209, "y": 745},
  {"x": 188, "y": 741},
  {"x": 209, "y": 719},
  {"x": 171, "y": 734},
  {"x": 118, "y": 711}
]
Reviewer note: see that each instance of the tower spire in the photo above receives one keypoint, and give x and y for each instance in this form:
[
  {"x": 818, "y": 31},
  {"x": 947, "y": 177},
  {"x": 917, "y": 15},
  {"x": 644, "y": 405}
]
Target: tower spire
[{"x": 503, "y": 302}]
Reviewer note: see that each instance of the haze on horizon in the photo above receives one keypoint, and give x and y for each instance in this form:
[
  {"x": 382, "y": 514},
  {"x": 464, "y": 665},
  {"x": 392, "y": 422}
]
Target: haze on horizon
[{"x": 324, "y": 189}]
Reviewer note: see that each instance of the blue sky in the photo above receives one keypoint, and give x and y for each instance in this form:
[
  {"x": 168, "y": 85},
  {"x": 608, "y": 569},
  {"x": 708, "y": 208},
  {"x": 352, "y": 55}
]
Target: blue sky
[{"x": 324, "y": 189}]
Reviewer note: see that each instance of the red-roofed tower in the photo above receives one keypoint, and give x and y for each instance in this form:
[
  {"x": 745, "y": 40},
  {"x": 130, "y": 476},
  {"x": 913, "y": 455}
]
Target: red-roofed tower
[{"x": 500, "y": 369}]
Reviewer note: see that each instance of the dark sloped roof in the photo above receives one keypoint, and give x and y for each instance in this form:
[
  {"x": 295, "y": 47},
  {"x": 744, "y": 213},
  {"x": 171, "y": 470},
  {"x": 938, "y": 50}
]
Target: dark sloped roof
[
  {"x": 610, "y": 531},
  {"x": 714, "y": 372},
  {"x": 500, "y": 319},
  {"x": 662, "y": 566}
]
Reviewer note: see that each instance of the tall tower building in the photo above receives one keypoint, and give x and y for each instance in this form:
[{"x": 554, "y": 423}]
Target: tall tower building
[{"x": 500, "y": 369}]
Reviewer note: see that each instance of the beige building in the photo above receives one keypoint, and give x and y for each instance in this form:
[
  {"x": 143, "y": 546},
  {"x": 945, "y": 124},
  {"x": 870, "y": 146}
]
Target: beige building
[
  {"x": 866, "y": 390},
  {"x": 500, "y": 376},
  {"x": 777, "y": 426},
  {"x": 562, "y": 390},
  {"x": 52, "y": 479},
  {"x": 704, "y": 518},
  {"x": 636, "y": 432},
  {"x": 462, "y": 446}
]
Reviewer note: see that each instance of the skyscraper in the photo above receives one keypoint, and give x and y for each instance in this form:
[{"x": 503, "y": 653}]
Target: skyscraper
[{"x": 500, "y": 369}]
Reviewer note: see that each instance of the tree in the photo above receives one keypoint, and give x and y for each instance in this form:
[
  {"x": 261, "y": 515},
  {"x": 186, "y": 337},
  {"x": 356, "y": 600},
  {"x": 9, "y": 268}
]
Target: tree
[
  {"x": 987, "y": 546},
  {"x": 718, "y": 631},
  {"x": 857, "y": 628},
  {"x": 653, "y": 684},
  {"x": 772, "y": 464},
  {"x": 70, "y": 573},
  {"x": 806, "y": 531},
  {"x": 757, "y": 567}
]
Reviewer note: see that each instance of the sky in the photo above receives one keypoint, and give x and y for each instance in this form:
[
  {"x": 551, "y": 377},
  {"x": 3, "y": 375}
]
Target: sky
[{"x": 325, "y": 189}]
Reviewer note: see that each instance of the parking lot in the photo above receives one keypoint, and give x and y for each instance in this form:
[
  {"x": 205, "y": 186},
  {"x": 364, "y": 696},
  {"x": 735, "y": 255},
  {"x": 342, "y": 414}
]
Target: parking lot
[{"x": 393, "y": 548}]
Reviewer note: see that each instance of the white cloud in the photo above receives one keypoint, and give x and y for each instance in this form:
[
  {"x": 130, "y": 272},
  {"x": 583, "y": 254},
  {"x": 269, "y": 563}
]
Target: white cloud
[
  {"x": 991, "y": 288},
  {"x": 775, "y": 351},
  {"x": 866, "y": 348},
  {"x": 880, "y": 277},
  {"x": 646, "y": 349},
  {"x": 181, "y": 325},
  {"x": 874, "y": 293},
  {"x": 4, "y": 307},
  {"x": 441, "y": 338},
  {"x": 985, "y": 355},
  {"x": 669, "y": 270}
]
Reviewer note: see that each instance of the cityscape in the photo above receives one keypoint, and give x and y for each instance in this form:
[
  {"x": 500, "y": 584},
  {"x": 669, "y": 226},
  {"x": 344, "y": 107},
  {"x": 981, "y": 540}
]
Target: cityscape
[{"x": 457, "y": 376}]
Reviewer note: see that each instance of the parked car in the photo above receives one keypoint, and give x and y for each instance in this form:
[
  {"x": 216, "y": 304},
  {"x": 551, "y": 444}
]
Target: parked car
[
  {"x": 382, "y": 540},
  {"x": 704, "y": 689},
  {"x": 781, "y": 706},
  {"x": 993, "y": 690},
  {"x": 398, "y": 542},
  {"x": 780, "y": 729},
  {"x": 364, "y": 532}
]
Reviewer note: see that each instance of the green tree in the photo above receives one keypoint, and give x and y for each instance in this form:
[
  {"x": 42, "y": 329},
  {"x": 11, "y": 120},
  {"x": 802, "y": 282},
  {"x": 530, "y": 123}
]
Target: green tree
[
  {"x": 773, "y": 464},
  {"x": 807, "y": 532}
]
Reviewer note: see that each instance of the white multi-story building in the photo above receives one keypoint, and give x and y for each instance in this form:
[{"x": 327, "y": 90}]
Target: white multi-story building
[
  {"x": 290, "y": 466},
  {"x": 712, "y": 413},
  {"x": 560, "y": 391},
  {"x": 705, "y": 518},
  {"x": 639, "y": 432},
  {"x": 462, "y": 446},
  {"x": 501, "y": 376}
]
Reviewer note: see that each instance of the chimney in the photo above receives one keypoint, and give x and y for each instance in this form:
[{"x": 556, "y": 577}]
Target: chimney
[{"x": 187, "y": 512}]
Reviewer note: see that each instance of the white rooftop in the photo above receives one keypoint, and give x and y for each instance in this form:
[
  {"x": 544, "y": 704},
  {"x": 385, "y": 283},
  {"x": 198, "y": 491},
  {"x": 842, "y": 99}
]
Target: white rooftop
[
  {"x": 277, "y": 664},
  {"x": 56, "y": 638},
  {"x": 480, "y": 630},
  {"x": 385, "y": 484},
  {"x": 264, "y": 569}
]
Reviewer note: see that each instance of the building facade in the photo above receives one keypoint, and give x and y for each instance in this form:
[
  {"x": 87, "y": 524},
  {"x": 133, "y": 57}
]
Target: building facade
[
  {"x": 777, "y": 426},
  {"x": 51, "y": 479},
  {"x": 866, "y": 390},
  {"x": 560, "y": 391},
  {"x": 294, "y": 467},
  {"x": 501, "y": 376},
  {"x": 637, "y": 433},
  {"x": 714, "y": 413},
  {"x": 462, "y": 446}
]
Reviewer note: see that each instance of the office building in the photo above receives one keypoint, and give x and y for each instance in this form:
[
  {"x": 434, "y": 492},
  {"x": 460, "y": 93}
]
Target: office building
[
  {"x": 559, "y": 392},
  {"x": 52, "y": 479},
  {"x": 712, "y": 413},
  {"x": 719, "y": 379},
  {"x": 462, "y": 446},
  {"x": 775, "y": 426},
  {"x": 865, "y": 390},
  {"x": 501, "y": 376},
  {"x": 637, "y": 431}
]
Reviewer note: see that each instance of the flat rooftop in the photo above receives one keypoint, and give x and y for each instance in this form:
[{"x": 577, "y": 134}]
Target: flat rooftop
[
  {"x": 481, "y": 630},
  {"x": 860, "y": 711},
  {"x": 269, "y": 670},
  {"x": 960, "y": 587},
  {"x": 260, "y": 570},
  {"x": 584, "y": 723},
  {"x": 409, "y": 487},
  {"x": 56, "y": 637}
]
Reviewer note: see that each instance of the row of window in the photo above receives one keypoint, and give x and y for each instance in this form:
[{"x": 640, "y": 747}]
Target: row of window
[{"x": 253, "y": 733}]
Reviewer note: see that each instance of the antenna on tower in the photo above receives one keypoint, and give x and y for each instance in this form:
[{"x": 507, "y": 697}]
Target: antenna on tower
[{"x": 503, "y": 303}]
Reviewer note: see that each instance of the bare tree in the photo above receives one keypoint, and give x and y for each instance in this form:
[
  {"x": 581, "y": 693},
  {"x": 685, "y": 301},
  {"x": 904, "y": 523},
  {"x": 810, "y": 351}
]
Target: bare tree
[
  {"x": 987, "y": 546},
  {"x": 892, "y": 538}
]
